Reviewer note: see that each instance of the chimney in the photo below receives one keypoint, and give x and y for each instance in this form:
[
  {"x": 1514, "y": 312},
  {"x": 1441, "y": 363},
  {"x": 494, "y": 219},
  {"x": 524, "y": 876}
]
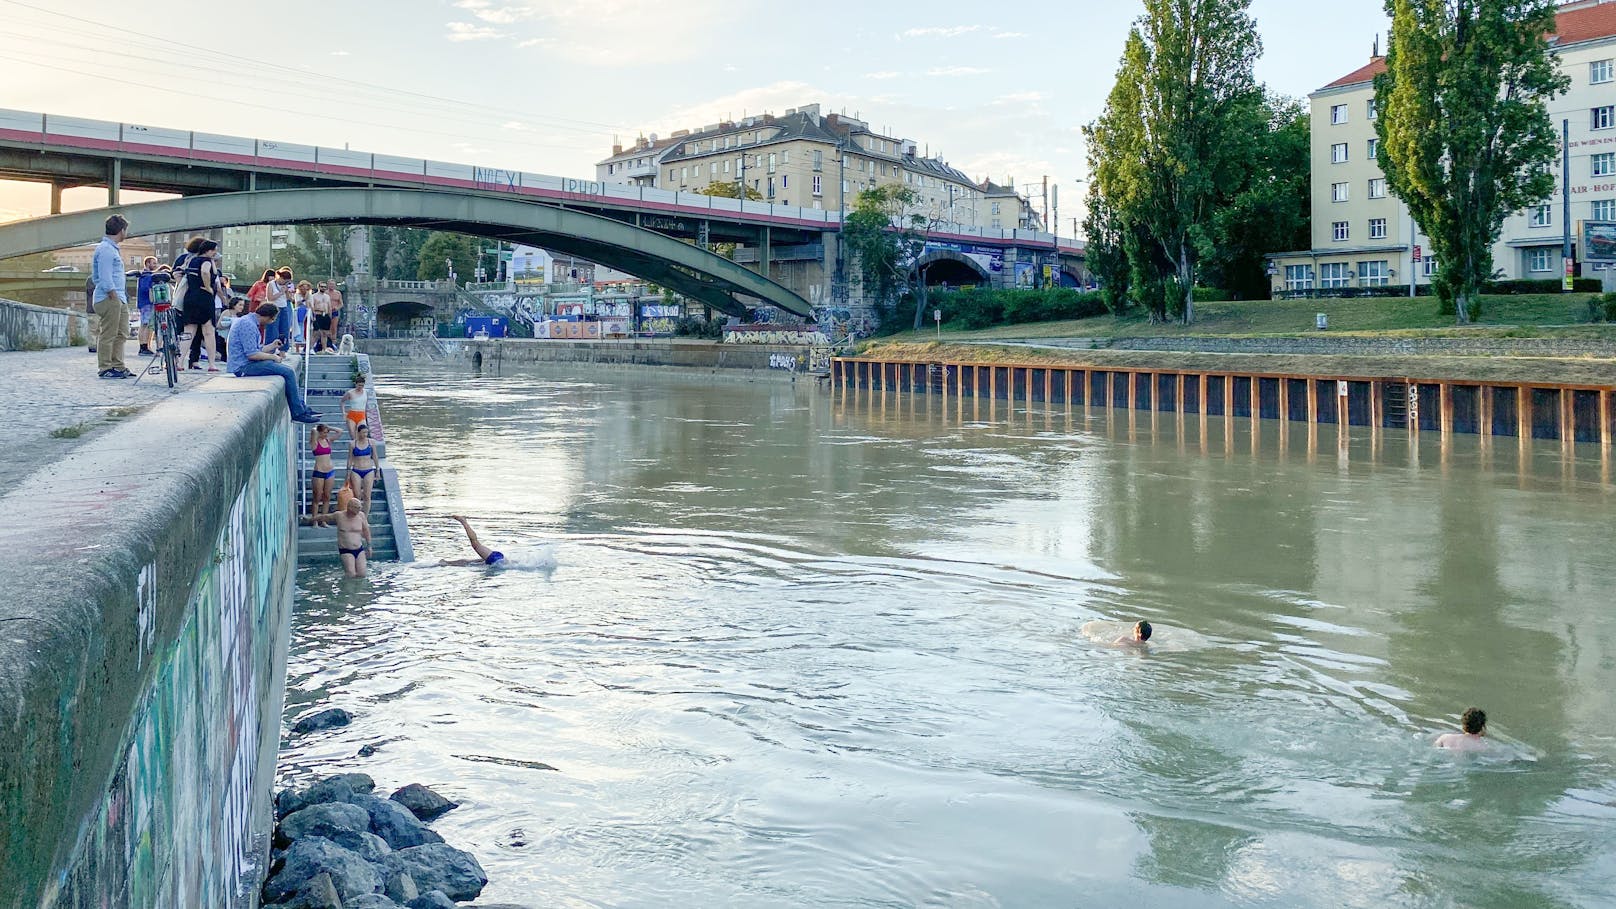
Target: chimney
[{"x": 617, "y": 149}]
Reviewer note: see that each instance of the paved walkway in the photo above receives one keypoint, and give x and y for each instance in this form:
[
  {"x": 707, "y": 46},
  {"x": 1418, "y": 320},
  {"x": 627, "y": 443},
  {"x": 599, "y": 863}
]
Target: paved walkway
[{"x": 57, "y": 391}]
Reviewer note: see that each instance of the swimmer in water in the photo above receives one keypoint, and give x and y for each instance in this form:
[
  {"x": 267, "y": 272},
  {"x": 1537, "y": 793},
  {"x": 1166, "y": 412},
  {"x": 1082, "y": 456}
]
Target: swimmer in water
[
  {"x": 485, "y": 556},
  {"x": 1474, "y": 724},
  {"x": 1135, "y": 638}
]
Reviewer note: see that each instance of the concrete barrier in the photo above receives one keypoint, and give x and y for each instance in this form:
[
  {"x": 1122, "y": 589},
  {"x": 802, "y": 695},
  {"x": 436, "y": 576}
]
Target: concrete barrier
[
  {"x": 147, "y": 582},
  {"x": 27, "y": 327},
  {"x": 659, "y": 352},
  {"x": 1325, "y": 345}
]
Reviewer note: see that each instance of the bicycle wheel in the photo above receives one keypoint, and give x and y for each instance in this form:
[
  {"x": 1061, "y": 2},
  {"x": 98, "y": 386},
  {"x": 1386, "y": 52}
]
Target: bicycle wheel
[{"x": 170, "y": 351}]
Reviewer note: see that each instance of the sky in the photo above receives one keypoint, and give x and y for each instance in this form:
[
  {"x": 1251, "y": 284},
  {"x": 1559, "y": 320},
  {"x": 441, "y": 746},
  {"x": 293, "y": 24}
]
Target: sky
[{"x": 547, "y": 85}]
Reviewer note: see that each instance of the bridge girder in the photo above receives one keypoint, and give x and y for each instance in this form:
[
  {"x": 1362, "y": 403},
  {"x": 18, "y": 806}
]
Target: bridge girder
[{"x": 685, "y": 269}]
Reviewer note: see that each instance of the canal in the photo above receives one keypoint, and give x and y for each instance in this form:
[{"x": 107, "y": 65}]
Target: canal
[{"x": 770, "y": 646}]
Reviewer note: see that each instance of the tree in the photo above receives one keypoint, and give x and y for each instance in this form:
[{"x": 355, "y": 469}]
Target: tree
[
  {"x": 1271, "y": 210},
  {"x": 441, "y": 247},
  {"x": 318, "y": 250},
  {"x": 1168, "y": 141},
  {"x": 725, "y": 189},
  {"x": 888, "y": 238},
  {"x": 396, "y": 252},
  {"x": 1465, "y": 134}
]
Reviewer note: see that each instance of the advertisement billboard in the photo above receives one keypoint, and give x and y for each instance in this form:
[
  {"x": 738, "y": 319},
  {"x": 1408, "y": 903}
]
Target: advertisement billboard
[{"x": 1598, "y": 241}]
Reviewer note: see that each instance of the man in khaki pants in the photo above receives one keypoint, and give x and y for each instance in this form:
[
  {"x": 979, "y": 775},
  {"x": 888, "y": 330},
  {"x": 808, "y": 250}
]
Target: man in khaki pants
[{"x": 110, "y": 301}]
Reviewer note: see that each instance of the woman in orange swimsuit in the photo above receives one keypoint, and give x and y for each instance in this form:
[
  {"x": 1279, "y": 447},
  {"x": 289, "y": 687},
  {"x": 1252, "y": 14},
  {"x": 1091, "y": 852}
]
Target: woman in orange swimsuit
[{"x": 354, "y": 406}]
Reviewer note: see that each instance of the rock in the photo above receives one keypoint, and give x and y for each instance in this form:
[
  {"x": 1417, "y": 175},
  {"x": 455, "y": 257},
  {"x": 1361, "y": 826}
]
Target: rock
[
  {"x": 367, "y": 750},
  {"x": 435, "y": 899},
  {"x": 317, "y": 892},
  {"x": 395, "y": 824},
  {"x": 423, "y": 802},
  {"x": 360, "y": 783},
  {"x": 330, "y": 718},
  {"x": 331, "y": 789},
  {"x": 440, "y": 867},
  {"x": 369, "y": 846},
  {"x": 370, "y": 901},
  {"x": 286, "y": 802},
  {"x": 324, "y": 820},
  {"x": 314, "y": 855},
  {"x": 401, "y": 888}
]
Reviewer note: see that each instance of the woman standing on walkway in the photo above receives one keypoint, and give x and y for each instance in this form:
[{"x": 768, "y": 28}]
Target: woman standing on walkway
[
  {"x": 362, "y": 465},
  {"x": 200, "y": 292},
  {"x": 355, "y": 404},
  {"x": 323, "y": 471}
]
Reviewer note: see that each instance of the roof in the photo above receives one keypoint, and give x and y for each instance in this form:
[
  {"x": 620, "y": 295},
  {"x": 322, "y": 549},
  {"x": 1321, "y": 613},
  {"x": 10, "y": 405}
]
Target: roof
[{"x": 1575, "y": 24}]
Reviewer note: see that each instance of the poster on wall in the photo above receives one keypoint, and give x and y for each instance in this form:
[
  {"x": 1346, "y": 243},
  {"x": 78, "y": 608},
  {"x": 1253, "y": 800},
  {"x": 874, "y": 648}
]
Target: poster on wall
[
  {"x": 1599, "y": 241},
  {"x": 1026, "y": 274}
]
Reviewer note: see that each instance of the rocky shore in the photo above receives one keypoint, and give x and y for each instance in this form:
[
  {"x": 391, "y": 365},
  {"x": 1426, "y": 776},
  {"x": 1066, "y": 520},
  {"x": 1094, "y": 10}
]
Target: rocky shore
[{"x": 338, "y": 845}]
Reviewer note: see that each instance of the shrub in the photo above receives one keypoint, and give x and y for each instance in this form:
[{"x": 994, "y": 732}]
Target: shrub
[
  {"x": 1546, "y": 286},
  {"x": 688, "y": 327},
  {"x": 1210, "y": 295},
  {"x": 1606, "y": 306},
  {"x": 984, "y": 307}
]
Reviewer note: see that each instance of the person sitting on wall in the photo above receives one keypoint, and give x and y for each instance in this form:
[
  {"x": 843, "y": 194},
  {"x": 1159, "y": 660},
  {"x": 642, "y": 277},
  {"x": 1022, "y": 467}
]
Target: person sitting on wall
[
  {"x": 1474, "y": 724},
  {"x": 250, "y": 357}
]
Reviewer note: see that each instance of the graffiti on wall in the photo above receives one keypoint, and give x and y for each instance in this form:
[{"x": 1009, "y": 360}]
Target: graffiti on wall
[
  {"x": 185, "y": 821},
  {"x": 803, "y": 335}
]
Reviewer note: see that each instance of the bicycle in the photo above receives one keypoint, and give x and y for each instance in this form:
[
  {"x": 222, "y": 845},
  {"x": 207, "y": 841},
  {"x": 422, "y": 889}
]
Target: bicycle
[{"x": 168, "y": 345}]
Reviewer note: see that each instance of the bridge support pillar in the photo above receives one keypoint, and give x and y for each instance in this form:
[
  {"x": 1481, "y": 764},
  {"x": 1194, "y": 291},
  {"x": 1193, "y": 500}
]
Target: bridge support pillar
[
  {"x": 114, "y": 181},
  {"x": 56, "y": 198},
  {"x": 763, "y": 253}
]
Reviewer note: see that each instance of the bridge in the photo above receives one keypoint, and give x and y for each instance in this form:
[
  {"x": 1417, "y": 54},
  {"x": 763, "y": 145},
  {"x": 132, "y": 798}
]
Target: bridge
[{"x": 794, "y": 249}]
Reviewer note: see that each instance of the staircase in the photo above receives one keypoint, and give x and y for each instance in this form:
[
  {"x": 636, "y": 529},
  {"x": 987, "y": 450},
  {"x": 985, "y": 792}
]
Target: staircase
[
  {"x": 329, "y": 378},
  {"x": 1396, "y": 405}
]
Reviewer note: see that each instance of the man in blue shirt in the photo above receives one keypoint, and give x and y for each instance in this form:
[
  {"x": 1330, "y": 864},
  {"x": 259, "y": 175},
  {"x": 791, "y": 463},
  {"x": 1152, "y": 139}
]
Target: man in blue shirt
[
  {"x": 249, "y": 357},
  {"x": 110, "y": 300}
]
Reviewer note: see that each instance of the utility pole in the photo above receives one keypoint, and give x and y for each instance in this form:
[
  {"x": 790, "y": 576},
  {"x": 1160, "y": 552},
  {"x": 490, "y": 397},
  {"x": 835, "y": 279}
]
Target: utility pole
[
  {"x": 1565, "y": 205},
  {"x": 839, "y": 279}
]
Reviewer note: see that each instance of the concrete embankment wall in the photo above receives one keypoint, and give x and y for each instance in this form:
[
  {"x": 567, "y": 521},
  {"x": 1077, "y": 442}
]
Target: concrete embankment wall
[
  {"x": 663, "y": 352},
  {"x": 27, "y": 327},
  {"x": 1327, "y": 345},
  {"x": 147, "y": 582}
]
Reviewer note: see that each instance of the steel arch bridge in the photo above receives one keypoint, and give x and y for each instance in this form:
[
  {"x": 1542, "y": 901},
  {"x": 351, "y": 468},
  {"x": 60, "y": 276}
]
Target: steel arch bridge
[{"x": 681, "y": 267}]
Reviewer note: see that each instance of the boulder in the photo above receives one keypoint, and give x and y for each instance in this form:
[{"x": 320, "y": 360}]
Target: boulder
[
  {"x": 317, "y": 892},
  {"x": 314, "y": 855},
  {"x": 395, "y": 824},
  {"x": 435, "y": 899},
  {"x": 369, "y": 901},
  {"x": 423, "y": 802},
  {"x": 360, "y": 783},
  {"x": 369, "y": 846},
  {"x": 331, "y": 789},
  {"x": 330, "y": 718},
  {"x": 439, "y": 866},
  {"x": 401, "y": 888},
  {"x": 324, "y": 820}
]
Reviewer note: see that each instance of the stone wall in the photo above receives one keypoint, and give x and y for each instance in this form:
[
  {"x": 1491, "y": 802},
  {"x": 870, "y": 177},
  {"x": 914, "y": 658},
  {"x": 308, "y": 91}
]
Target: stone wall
[
  {"x": 662, "y": 352},
  {"x": 148, "y": 579},
  {"x": 1340, "y": 346},
  {"x": 27, "y": 327}
]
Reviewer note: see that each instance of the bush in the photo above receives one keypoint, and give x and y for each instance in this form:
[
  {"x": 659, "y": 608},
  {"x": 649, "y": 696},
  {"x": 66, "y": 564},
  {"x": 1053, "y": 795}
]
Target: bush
[
  {"x": 1546, "y": 286},
  {"x": 1210, "y": 295},
  {"x": 698, "y": 328},
  {"x": 984, "y": 307},
  {"x": 1607, "y": 306}
]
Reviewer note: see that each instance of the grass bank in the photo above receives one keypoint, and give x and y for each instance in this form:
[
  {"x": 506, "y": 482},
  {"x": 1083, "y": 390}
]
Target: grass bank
[{"x": 1508, "y": 316}]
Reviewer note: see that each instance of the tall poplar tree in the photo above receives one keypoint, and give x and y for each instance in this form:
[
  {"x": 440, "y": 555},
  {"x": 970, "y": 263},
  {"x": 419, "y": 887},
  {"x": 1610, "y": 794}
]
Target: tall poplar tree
[
  {"x": 1465, "y": 135},
  {"x": 1169, "y": 141}
]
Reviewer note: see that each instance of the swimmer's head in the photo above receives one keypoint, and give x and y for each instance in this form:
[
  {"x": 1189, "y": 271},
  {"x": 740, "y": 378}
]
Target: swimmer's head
[
  {"x": 1473, "y": 720},
  {"x": 1141, "y": 631}
]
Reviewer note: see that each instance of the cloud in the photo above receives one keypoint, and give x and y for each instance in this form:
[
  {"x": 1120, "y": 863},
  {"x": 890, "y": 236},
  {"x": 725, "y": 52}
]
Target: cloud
[
  {"x": 340, "y": 53},
  {"x": 883, "y": 74},
  {"x": 749, "y": 102},
  {"x": 535, "y": 42},
  {"x": 940, "y": 31},
  {"x": 516, "y": 126},
  {"x": 1002, "y": 35},
  {"x": 957, "y": 71},
  {"x": 641, "y": 30},
  {"x": 498, "y": 15},
  {"x": 466, "y": 31},
  {"x": 1020, "y": 98}
]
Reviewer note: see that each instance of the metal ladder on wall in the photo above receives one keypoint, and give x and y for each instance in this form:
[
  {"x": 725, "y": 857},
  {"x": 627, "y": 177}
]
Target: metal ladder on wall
[{"x": 1396, "y": 405}]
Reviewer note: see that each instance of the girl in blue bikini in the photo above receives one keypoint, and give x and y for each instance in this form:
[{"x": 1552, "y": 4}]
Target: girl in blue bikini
[
  {"x": 323, "y": 470},
  {"x": 362, "y": 465}
]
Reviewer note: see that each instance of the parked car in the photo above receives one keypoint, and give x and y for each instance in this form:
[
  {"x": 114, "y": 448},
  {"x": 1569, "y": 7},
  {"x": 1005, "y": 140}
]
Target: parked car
[{"x": 61, "y": 270}]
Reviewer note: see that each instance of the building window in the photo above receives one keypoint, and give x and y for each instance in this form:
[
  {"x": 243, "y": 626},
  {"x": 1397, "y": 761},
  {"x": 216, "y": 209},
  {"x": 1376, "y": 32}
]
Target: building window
[
  {"x": 1338, "y": 114},
  {"x": 1374, "y": 149},
  {"x": 819, "y": 159},
  {"x": 995, "y": 208},
  {"x": 1430, "y": 265},
  {"x": 1603, "y": 117},
  {"x": 1599, "y": 71},
  {"x": 1338, "y": 153},
  {"x": 1377, "y": 228},
  {"x": 1603, "y": 164},
  {"x": 1333, "y": 274},
  {"x": 1298, "y": 277},
  {"x": 818, "y": 191},
  {"x": 1542, "y": 216},
  {"x": 1372, "y": 108},
  {"x": 1339, "y": 231},
  {"x": 783, "y": 179},
  {"x": 1374, "y": 274},
  {"x": 1338, "y": 192},
  {"x": 1377, "y": 188},
  {"x": 1603, "y": 210},
  {"x": 1540, "y": 259}
]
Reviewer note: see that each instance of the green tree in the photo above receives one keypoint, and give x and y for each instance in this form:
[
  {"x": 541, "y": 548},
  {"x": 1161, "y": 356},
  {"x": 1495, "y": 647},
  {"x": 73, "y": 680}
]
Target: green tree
[
  {"x": 725, "y": 189},
  {"x": 1271, "y": 209},
  {"x": 395, "y": 252},
  {"x": 1168, "y": 141},
  {"x": 887, "y": 238},
  {"x": 320, "y": 251},
  {"x": 441, "y": 247},
  {"x": 1465, "y": 134}
]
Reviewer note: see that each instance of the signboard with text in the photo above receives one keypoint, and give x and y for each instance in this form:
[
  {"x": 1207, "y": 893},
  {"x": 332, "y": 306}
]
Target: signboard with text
[{"x": 1598, "y": 241}]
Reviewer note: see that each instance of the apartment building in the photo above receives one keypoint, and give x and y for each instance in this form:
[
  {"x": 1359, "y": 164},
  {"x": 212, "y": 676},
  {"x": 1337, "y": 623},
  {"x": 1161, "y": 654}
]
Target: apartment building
[
  {"x": 1364, "y": 238},
  {"x": 810, "y": 160}
]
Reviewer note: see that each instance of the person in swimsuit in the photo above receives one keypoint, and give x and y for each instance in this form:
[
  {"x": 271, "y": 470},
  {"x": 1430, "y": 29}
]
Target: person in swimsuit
[
  {"x": 1474, "y": 724},
  {"x": 1136, "y": 637},
  {"x": 320, "y": 305},
  {"x": 485, "y": 556},
  {"x": 354, "y": 405},
  {"x": 362, "y": 465},
  {"x": 353, "y": 538},
  {"x": 323, "y": 471}
]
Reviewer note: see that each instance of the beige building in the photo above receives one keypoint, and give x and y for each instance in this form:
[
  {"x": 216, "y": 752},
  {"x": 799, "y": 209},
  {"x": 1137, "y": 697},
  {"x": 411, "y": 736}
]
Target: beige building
[
  {"x": 1363, "y": 237},
  {"x": 133, "y": 249},
  {"x": 806, "y": 159}
]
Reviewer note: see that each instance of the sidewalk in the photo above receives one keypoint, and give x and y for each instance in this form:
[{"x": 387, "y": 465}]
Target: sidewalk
[{"x": 57, "y": 391}]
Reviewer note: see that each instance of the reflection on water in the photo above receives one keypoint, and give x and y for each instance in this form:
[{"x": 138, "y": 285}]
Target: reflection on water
[{"x": 800, "y": 650}]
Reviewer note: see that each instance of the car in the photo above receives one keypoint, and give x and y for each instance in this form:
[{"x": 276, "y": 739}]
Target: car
[{"x": 61, "y": 270}]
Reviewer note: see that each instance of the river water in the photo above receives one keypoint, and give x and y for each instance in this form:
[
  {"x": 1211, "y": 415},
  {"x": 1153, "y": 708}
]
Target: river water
[{"x": 796, "y": 650}]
